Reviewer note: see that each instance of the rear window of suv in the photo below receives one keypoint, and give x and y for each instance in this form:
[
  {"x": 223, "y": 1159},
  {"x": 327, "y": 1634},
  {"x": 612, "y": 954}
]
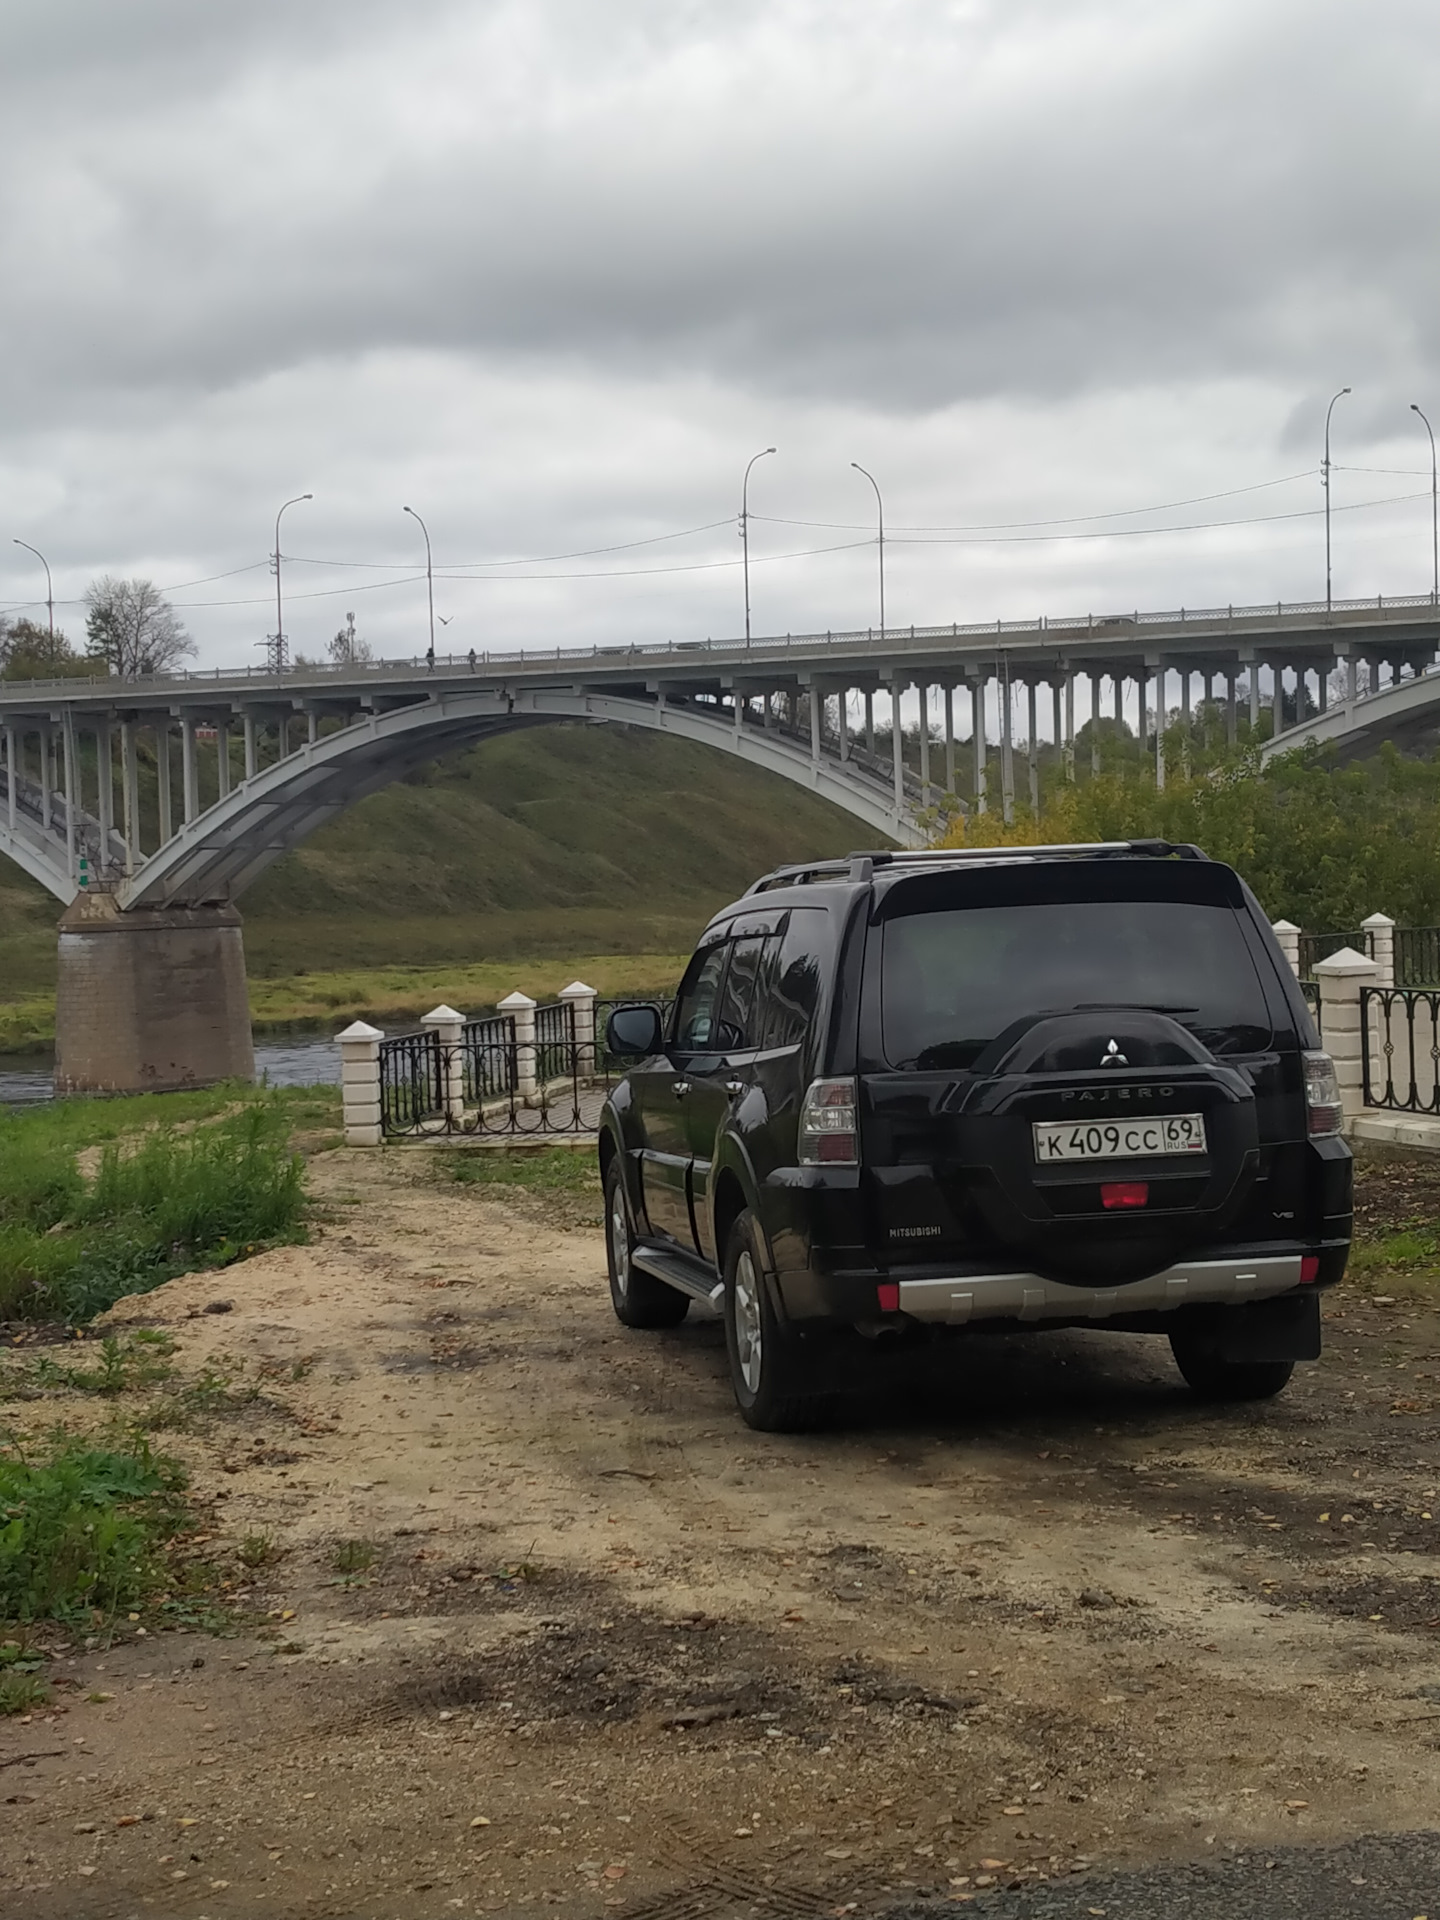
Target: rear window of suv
[{"x": 961, "y": 961}]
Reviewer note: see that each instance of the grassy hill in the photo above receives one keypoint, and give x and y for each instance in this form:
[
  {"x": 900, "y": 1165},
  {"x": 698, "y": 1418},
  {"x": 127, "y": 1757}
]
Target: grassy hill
[{"x": 548, "y": 845}]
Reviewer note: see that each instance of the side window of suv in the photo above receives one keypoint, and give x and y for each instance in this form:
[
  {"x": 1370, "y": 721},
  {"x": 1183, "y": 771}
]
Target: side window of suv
[
  {"x": 695, "y": 1010},
  {"x": 795, "y": 978},
  {"x": 738, "y": 1029}
]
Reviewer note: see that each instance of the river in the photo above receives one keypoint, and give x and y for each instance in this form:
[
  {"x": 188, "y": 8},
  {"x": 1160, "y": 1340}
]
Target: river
[{"x": 283, "y": 1060}]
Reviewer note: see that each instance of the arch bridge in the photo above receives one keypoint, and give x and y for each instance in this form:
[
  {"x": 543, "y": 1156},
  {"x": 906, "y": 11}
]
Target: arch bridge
[{"x": 150, "y": 804}]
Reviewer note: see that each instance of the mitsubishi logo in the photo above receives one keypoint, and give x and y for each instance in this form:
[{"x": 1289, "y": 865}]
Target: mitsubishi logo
[{"x": 1112, "y": 1056}]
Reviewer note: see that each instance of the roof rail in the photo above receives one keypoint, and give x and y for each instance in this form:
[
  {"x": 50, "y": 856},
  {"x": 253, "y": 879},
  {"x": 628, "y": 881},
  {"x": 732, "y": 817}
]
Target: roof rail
[{"x": 861, "y": 865}]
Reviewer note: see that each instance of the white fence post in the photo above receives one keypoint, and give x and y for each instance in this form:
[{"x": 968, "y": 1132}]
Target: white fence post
[
  {"x": 1381, "y": 929},
  {"x": 582, "y": 999},
  {"x": 1288, "y": 934},
  {"x": 360, "y": 1083},
  {"x": 522, "y": 1007},
  {"x": 1341, "y": 977},
  {"x": 446, "y": 1024}
]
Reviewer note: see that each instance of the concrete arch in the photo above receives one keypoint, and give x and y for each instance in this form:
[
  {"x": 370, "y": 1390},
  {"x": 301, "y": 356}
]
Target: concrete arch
[
  {"x": 219, "y": 853},
  {"x": 1407, "y": 713}
]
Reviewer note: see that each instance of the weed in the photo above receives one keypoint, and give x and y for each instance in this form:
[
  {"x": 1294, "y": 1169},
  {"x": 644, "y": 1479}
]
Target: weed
[
  {"x": 258, "y": 1550},
  {"x": 138, "y": 1360},
  {"x": 21, "y": 1692},
  {"x": 550, "y": 1170},
  {"x": 352, "y": 1560},
  {"x": 82, "y": 1528}
]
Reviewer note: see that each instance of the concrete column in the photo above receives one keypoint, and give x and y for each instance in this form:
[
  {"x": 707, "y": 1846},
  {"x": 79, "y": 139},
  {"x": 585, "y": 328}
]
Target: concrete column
[
  {"x": 1232, "y": 718},
  {"x": 312, "y": 733},
  {"x": 842, "y": 711},
  {"x": 1277, "y": 696},
  {"x": 1034, "y": 746},
  {"x": 447, "y": 1026},
  {"x": 1142, "y": 707},
  {"x": 130, "y": 794},
  {"x": 1341, "y": 977},
  {"x": 1094, "y": 721},
  {"x": 869, "y": 720},
  {"x": 924, "y": 743},
  {"x": 1057, "y": 717},
  {"x": 106, "y": 763},
  {"x": 1119, "y": 691},
  {"x": 11, "y": 777},
  {"x": 522, "y": 1008},
  {"x": 949, "y": 738},
  {"x": 252, "y": 758},
  {"x": 45, "y": 776},
  {"x": 1288, "y": 934},
  {"x": 897, "y": 757},
  {"x": 360, "y": 1083},
  {"x": 162, "y": 779},
  {"x": 1007, "y": 751},
  {"x": 1322, "y": 688},
  {"x": 150, "y": 1000},
  {"x": 977, "y": 740},
  {"x": 189, "y": 772},
  {"x": 815, "y": 699},
  {"x": 582, "y": 999},
  {"x": 1381, "y": 929},
  {"x": 222, "y": 755},
  {"x": 1070, "y": 728},
  {"x": 1352, "y": 679},
  {"x": 72, "y": 806},
  {"x": 1160, "y": 726}
]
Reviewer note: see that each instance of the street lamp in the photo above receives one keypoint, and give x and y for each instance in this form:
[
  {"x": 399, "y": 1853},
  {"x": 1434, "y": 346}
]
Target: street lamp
[
  {"x": 745, "y": 531},
  {"x": 429, "y": 585},
  {"x": 880, "y": 507},
  {"x": 277, "y": 660},
  {"x": 1325, "y": 476},
  {"x": 49, "y": 593},
  {"x": 1434, "y": 510}
]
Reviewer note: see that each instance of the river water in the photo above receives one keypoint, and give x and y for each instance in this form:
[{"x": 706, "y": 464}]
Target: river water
[{"x": 283, "y": 1060}]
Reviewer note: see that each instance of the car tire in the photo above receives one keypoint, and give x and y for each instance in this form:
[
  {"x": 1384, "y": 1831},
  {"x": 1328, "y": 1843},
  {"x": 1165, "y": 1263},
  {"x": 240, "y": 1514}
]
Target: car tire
[
  {"x": 774, "y": 1390},
  {"x": 638, "y": 1298},
  {"x": 1216, "y": 1379}
]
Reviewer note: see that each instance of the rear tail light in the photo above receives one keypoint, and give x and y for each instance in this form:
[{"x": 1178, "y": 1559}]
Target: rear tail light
[
  {"x": 1125, "y": 1193},
  {"x": 887, "y": 1296},
  {"x": 1322, "y": 1093},
  {"x": 1309, "y": 1269},
  {"x": 829, "y": 1128}
]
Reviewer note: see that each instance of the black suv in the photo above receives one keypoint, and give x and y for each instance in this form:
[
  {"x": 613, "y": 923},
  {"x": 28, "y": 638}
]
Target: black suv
[{"x": 901, "y": 1094}]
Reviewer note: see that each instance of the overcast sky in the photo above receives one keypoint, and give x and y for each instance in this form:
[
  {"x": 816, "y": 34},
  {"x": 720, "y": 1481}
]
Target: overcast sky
[{"x": 550, "y": 271}]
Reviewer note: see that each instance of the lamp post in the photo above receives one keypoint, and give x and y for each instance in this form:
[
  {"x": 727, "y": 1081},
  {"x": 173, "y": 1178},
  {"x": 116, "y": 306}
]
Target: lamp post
[
  {"x": 49, "y": 593},
  {"x": 278, "y": 658},
  {"x": 1434, "y": 510},
  {"x": 745, "y": 531},
  {"x": 1325, "y": 475},
  {"x": 880, "y": 508},
  {"x": 429, "y": 585}
]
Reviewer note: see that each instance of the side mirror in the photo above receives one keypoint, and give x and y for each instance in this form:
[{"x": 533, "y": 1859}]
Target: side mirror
[{"x": 634, "y": 1031}]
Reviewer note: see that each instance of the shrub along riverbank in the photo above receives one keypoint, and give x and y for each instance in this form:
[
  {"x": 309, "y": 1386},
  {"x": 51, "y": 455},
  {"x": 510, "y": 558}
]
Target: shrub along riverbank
[{"x": 151, "y": 1204}]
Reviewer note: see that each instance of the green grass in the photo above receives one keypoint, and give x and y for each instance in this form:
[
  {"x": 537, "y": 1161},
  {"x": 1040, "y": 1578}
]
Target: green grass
[
  {"x": 83, "y": 1529},
  {"x": 543, "y": 1170},
  {"x": 164, "y": 1204}
]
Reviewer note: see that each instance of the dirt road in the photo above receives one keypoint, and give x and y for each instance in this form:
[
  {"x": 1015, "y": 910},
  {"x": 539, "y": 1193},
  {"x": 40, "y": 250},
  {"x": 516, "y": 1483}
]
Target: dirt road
[{"x": 548, "y": 1628}]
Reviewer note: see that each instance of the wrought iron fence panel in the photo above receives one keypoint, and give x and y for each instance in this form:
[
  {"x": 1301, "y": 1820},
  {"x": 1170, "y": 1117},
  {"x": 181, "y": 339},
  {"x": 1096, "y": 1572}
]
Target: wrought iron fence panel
[
  {"x": 555, "y": 1042},
  {"x": 412, "y": 1084},
  {"x": 1319, "y": 946},
  {"x": 1311, "y": 991},
  {"x": 1417, "y": 956},
  {"x": 487, "y": 1059},
  {"x": 1400, "y": 1048}
]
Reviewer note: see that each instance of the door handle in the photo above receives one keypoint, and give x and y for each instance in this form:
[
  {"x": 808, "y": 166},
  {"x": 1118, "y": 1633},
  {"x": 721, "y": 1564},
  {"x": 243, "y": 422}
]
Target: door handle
[
  {"x": 681, "y": 1088},
  {"x": 735, "y": 1088}
]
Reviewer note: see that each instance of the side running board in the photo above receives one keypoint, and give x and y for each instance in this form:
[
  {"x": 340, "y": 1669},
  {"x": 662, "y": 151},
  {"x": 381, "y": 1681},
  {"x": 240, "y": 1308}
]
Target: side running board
[{"x": 679, "y": 1271}]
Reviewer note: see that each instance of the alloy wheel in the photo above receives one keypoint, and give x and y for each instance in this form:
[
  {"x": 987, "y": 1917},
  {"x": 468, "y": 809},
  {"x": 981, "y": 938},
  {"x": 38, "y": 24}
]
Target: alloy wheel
[{"x": 749, "y": 1334}]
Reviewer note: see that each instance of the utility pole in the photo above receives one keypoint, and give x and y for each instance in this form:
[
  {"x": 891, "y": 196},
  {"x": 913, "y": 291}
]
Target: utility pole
[
  {"x": 1325, "y": 475},
  {"x": 880, "y": 508},
  {"x": 745, "y": 531},
  {"x": 275, "y": 645},
  {"x": 1434, "y": 512}
]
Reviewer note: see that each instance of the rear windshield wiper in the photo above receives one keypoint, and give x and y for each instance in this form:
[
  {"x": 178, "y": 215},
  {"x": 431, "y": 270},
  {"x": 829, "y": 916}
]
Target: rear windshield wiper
[{"x": 1122, "y": 1006}]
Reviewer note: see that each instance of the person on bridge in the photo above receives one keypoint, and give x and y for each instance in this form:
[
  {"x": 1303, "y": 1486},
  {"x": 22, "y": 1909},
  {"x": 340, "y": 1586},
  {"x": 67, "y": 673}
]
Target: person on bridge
[
  {"x": 472, "y": 659},
  {"x": 430, "y": 659}
]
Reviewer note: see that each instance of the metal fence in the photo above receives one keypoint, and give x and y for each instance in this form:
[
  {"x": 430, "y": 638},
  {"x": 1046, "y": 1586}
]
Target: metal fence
[
  {"x": 1400, "y": 1048},
  {"x": 494, "y": 1080},
  {"x": 1320, "y": 946},
  {"x": 1417, "y": 956}
]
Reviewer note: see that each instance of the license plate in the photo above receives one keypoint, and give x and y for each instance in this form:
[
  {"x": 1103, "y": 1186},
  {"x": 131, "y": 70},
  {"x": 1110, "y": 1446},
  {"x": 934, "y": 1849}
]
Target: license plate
[{"x": 1119, "y": 1139}]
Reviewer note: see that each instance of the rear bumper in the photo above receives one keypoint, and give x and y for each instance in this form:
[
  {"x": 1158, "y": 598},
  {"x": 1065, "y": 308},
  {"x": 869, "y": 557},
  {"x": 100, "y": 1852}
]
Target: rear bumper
[{"x": 959, "y": 1301}]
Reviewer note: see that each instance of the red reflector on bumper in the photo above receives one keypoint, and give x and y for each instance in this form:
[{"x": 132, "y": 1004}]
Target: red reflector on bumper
[
  {"x": 1125, "y": 1193},
  {"x": 887, "y": 1293},
  {"x": 1309, "y": 1269}
]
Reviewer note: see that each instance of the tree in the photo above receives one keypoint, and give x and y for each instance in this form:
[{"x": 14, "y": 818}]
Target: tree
[
  {"x": 133, "y": 628},
  {"x": 345, "y": 649},
  {"x": 31, "y": 652}
]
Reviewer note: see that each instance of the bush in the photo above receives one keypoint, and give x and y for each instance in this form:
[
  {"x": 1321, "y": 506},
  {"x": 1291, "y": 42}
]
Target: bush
[
  {"x": 82, "y": 1529},
  {"x": 173, "y": 1203}
]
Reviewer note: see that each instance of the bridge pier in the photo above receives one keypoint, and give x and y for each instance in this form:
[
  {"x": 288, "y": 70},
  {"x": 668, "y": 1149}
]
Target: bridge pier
[{"x": 150, "y": 1000}]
